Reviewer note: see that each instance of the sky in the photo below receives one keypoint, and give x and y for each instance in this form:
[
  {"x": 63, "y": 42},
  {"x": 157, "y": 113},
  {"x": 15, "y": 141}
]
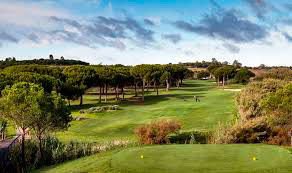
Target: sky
[{"x": 133, "y": 32}]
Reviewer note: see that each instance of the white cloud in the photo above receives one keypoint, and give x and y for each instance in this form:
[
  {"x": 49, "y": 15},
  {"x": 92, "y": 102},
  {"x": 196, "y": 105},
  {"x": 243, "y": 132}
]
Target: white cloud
[{"x": 27, "y": 14}]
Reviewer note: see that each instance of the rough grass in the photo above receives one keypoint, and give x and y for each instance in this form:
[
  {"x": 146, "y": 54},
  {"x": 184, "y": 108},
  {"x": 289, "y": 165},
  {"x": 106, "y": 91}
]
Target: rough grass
[
  {"x": 185, "y": 158},
  {"x": 216, "y": 106}
]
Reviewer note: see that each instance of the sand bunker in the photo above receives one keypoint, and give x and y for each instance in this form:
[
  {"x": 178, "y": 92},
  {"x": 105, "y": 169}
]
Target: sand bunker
[{"x": 237, "y": 90}]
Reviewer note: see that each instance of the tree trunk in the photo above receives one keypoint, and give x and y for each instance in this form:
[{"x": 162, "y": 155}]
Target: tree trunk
[
  {"x": 22, "y": 150},
  {"x": 218, "y": 81},
  {"x": 177, "y": 83},
  {"x": 105, "y": 93},
  {"x": 100, "y": 94},
  {"x": 81, "y": 99},
  {"x": 147, "y": 86},
  {"x": 116, "y": 92},
  {"x": 123, "y": 93},
  {"x": 136, "y": 94},
  {"x": 167, "y": 85},
  {"x": 40, "y": 147},
  {"x": 223, "y": 81},
  {"x": 157, "y": 90},
  {"x": 3, "y": 135},
  {"x": 143, "y": 87},
  {"x": 181, "y": 81}
]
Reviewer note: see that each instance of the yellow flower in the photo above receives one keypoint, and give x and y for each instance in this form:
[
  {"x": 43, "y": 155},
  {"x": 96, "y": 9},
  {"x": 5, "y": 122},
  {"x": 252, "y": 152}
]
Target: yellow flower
[
  {"x": 254, "y": 158},
  {"x": 142, "y": 156}
]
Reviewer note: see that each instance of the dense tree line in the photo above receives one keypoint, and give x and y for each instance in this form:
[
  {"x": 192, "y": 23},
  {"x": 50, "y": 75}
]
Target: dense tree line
[
  {"x": 224, "y": 73},
  {"x": 206, "y": 64},
  {"x": 72, "y": 81},
  {"x": 51, "y": 61}
]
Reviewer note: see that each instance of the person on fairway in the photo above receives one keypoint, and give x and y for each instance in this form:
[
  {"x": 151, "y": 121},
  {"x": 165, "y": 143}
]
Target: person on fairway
[{"x": 196, "y": 98}]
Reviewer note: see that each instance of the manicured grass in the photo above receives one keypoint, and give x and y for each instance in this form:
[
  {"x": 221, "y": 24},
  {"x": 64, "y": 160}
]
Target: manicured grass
[
  {"x": 216, "y": 106},
  {"x": 185, "y": 158}
]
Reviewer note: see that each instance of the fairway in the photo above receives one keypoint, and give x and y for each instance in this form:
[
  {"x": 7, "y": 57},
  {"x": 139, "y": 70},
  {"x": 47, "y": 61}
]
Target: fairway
[
  {"x": 185, "y": 158},
  {"x": 216, "y": 106}
]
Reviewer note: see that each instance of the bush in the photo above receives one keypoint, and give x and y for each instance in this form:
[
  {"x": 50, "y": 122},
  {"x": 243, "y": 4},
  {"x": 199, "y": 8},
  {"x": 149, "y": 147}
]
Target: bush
[
  {"x": 55, "y": 152},
  {"x": 248, "y": 101},
  {"x": 249, "y": 131},
  {"x": 279, "y": 136},
  {"x": 195, "y": 137},
  {"x": 278, "y": 73},
  {"x": 30, "y": 157},
  {"x": 157, "y": 132},
  {"x": 99, "y": 109},
  {"x": 265, "y": 114}
]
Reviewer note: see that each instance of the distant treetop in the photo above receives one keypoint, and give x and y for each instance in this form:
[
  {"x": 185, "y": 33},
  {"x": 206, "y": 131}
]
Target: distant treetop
[{"x": 51, "y": 61}]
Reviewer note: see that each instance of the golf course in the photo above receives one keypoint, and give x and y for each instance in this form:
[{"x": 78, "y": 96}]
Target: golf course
[{"x": 216, "y": 106}]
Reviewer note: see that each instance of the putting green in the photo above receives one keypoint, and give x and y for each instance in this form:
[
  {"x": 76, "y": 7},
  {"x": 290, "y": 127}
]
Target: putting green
[{"x": 204, "y": 159}]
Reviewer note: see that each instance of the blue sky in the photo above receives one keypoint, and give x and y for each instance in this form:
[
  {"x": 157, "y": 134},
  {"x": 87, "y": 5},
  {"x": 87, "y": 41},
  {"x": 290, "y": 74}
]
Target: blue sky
[{"x": 148, "y": 31}]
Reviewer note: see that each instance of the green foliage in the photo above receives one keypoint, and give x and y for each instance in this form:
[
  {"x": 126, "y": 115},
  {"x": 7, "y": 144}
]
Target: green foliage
[
  {"x": 13, "y": 62},
  {"x": 28, "y": 106},
  {"x": 203, "y": 75},
  {"x": 141, "y": 71},
  {"x": 225, "y": 72},
  {"x": 99, "y": 109},
  {"x": 3, "y": 128},
  {"x": 265, "y": 114},
  {"x": 243, "y": 75},
  {"x": 78, "y": 79},
  {"x": 277, "y": 73},
  {"x": 249, "y": 99},
  {"x": 280, "y": 100},
  {"x": 30, "y": 157},
  {"x": 53, "y": 152},
  {"x": 19, "y": 103},
  {"x": 55, "y": 72}
]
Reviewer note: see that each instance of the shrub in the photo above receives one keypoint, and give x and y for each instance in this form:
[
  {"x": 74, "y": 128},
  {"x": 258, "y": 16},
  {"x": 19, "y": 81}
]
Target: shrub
[
  {"x": 265, "y": 114},
  {"x": 249, "y": 99},
  {"x": 157, "y": 132},
  {"x": 55, "y": 152},
  {"x": 278, "y": 73},
  {"x": 195, "y": 137},
  {"x": 99, "y": 109},
  {"x": 30, "y": 156},
  {"x": 220, "y": 135},
  {"x": 279, "y": 136}
]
